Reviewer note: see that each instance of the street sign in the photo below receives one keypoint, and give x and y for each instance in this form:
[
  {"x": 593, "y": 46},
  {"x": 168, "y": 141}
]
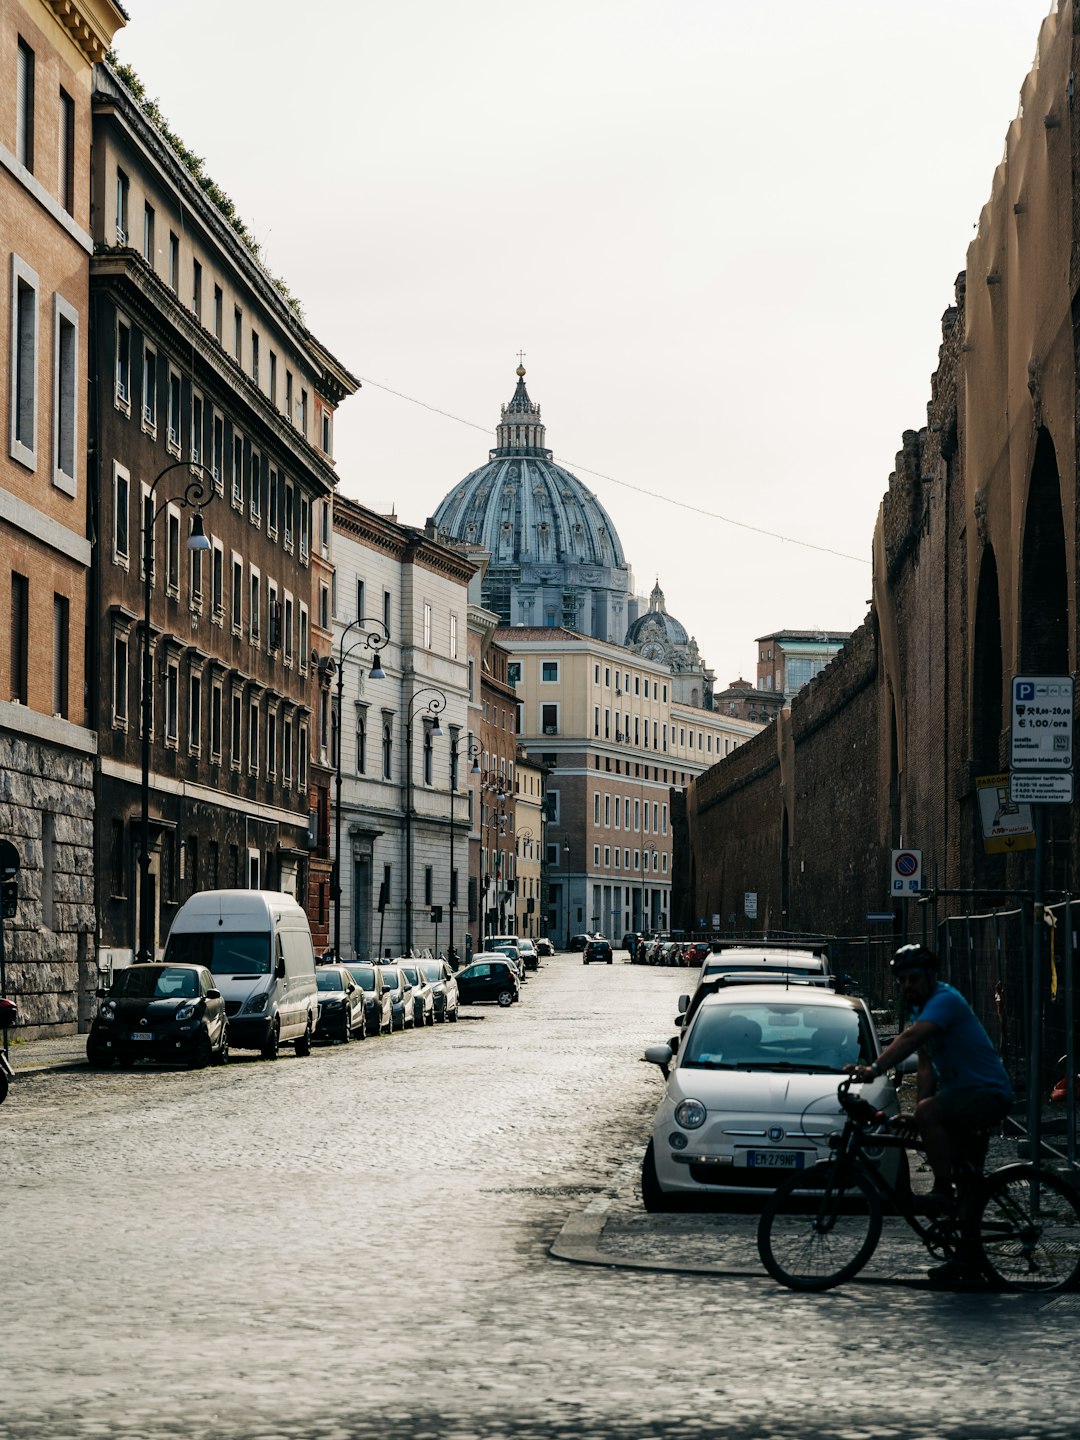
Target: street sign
[
  {"x": 1006, "y": 824},
  {"x": 906, "y": 874},
  {"x": 1042, "y": 722},
  {"x": 749, "y": 904},
  {"x": 1041, "y": 788}
]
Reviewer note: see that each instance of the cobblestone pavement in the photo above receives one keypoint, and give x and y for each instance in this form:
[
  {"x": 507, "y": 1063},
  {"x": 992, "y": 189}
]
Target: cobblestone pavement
[{"x": 357, "y": 1244}]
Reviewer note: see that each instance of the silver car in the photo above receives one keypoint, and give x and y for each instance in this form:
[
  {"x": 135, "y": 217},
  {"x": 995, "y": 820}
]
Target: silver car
[
  {"x": 423, "y": 992},
  {"x": 444, "y": 986}
]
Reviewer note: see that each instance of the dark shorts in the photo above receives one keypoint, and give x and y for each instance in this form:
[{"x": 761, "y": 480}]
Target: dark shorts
[{"x": 966, "y": 1110}]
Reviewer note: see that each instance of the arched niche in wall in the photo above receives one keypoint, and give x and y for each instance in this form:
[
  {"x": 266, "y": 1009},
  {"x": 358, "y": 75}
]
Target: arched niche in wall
[
  {"x": 986, "y": 679},
  {"x": 1044, "y": 581}
]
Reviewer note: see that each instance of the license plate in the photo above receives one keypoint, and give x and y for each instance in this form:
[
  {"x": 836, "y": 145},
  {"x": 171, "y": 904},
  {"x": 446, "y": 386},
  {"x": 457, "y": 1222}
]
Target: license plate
[
  {"x": 775, "y": 1159},
  {"x": 141, "y": 1035}
]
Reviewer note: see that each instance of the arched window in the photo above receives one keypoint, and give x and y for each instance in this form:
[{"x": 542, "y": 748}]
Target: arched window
[
  {"x": 387, "y": 750},
  {"x": 361, "y": 744}
]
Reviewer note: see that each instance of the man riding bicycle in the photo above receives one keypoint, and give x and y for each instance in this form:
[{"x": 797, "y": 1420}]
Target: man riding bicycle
[{"x": 961, "y": 1083}]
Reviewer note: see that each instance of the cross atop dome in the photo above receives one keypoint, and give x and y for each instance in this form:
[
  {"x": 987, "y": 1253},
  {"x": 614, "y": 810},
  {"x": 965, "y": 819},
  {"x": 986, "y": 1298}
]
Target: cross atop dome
[{"x": 520, "y": 431}]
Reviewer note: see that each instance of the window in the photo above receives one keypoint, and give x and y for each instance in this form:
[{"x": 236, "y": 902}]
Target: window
[
  {"x": 65, "y": 394},
  {"x": 302, "y": 759},
  {"x": 238, "y": 469},
  {"x": 287, "y": 628},
  {"x": 195, "y": 570},
  {"x": 255, "y": 603},
  {"x": 236, "y": 615},
  {"x": 120, "y": 681},
  {"x": 238, "y": 332},
  {"x": 24, "y": 358},
  {"x": 429, "y": 755},
  {"x": 427, "y": 625},
  {"x": 174, "y": 262},
  {"x": 305, "y": 527},
  {"x": 273, "y": 615},
  {"x": 172, "y": 703},
  {"x": 255, "y": 356},
  {"x": 287, "y": 754},
  {"x": 121, "y": 515},
  {"x": 361, "y": 742},
  {"x": 149, "y": 390},
  {"x": 61, "y": 612},
  {"x": 172, "y": 550},
  {"x": 324, "y": 605},
  {"x": 287, "y": 523},
  {"x": 219, "y": 312},
  {"x": 253, "y": 737},
  {"x": 596, "y": 855},
  {"x": 549, "y": 719},
  {"x": 303, "y": 413},
  {"x": 217, "y": 581},
  {"x": 235, "y": 732},
  {"x": 148, "y": 233},
  {"x": 607, "y": 812},
  {"x": 24, "y": 105},
  {"x": 607, "y": 857},
  {"x": 122, "y": 189},
  {"x": 272, "y": 386},
  {"x": 327, "y": 432},
  {"x": 272, "y": 502},
  {"x": 387, "y": 749},
  {"x": 549, "y": 670},
  {"x": 215, "y": 722},
  {"x": 197, "y": 421},
  {"x": 195, "y": 714},
  {"x": 288, "y": 397},
  {"x": 172, "y": 438},
  {"x": 255, "y": 488},
  {"x": 429, "y": 885},
  {"x": 387, "y": 602},
  {"x": 196, "y": 289},
  {"x": 271, "y": 743},
  {"x": 66, "y": 153},
  {"x": 217, "y": 453}
]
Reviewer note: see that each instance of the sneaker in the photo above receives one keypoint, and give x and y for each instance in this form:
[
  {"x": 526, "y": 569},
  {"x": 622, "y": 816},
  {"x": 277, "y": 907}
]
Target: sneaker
[{"x": 955, "y": 1275}]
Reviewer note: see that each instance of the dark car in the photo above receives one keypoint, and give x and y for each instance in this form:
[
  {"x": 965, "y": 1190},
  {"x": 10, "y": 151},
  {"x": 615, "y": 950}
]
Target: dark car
[
  {"x": 159, "y": 1012},
  {"x": 378, "y": 1008},
  {"x": 597, "y": 950},
  {"x": 578, "y": 942},
  {"x": 342, "y": 1014},
  {"x": 489, "y": 977},
  {"x": 444, "y": 988},
  {"x": 545, "y": 947},
  {"x": 402, "y": 1010}
]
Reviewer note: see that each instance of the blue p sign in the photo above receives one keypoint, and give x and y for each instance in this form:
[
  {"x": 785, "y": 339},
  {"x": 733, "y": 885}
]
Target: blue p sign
[{"x": 1025, "y": 690}]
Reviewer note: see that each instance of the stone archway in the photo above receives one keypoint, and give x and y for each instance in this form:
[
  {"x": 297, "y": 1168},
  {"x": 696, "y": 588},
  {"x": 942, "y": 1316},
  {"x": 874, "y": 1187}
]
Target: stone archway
[{"x": 1044, "y": 580}]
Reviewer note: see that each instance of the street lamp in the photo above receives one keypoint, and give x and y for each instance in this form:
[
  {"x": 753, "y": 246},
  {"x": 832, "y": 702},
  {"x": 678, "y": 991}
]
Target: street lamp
[
  {"x": 197, "y": 495},
  {"x": 566, "y": 863},
  {"x": 525, "y": 836},
  {"x": 473, "y": 752},
  {"x": 435, "y": 705},
  {"x": 498, "y": 787},
  {"x": 373, "y": 640},
  {"x": 644, "y": 857}
]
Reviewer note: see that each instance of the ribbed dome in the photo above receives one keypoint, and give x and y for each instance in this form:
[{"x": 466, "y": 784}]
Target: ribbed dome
[
  {"x": 656, "y": 623},
  {"x": 546, "y": 532}
]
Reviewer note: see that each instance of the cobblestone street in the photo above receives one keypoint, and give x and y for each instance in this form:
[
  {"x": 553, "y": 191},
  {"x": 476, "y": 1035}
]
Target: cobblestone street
[{"x": 358, "y": 1244}]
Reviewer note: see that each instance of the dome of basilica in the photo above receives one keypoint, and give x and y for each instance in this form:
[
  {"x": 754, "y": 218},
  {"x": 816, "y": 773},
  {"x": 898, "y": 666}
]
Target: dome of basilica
[{"x": 556, "y": 557}]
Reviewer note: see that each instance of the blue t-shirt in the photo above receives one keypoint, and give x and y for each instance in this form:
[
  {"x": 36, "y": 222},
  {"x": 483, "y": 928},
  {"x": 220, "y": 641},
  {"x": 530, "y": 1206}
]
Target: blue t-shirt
[{"x": 961, "y": 1053}]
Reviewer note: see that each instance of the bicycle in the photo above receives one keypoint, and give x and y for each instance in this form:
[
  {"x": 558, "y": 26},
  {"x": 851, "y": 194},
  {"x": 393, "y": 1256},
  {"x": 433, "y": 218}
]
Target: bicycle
[{"x": 1019, "y": 1225}]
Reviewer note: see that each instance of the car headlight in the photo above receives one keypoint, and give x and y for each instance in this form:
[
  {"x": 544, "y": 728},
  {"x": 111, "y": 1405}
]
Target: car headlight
[
  {"x": 256, "y": 1003},
  {"x": 107, "y": 1010},
  {"x": 186, "y": 1011},
  {"x": 331, "y": 1004},
  {"x": 690, "y": 1114}
]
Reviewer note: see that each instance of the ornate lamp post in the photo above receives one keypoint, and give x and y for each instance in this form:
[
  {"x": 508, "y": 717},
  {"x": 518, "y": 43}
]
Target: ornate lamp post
[
  {"x": 473, "y": 752},
  {"x": 196, "y": 496},
  {"x": 373, "y": 640},
  {"x": 435, "y": 705}
]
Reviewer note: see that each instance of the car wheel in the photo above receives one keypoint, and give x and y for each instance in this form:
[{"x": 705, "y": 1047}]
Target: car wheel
[
  {"x": 505, "y": 998},
  {"x": 272, "y": 1043},
  {"x": 346, "y": 1029},
  {"x": 609, "y": 960},
  {"x": 440, "y": 1016},
  {"x": 361, "y": 1033},
  {"x": 98, "y": 1058},
  {"x": 431, "y": 1016},
  {"x": 203, "y": 1052},
  {"x": 221, "y": 1056},
  {"x": 452, "y": 1015},
  {"x": 394, "y": 1023},
  {"x": 654, "y": 1199},
  {"x": 303, "y": 1045}
]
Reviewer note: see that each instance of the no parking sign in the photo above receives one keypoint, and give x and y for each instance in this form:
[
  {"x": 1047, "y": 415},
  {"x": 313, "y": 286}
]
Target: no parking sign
[{"x": 906, "y": 877}]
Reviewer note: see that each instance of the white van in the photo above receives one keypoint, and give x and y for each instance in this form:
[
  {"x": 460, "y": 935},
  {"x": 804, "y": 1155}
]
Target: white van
[{"x": 257, "y": 945}]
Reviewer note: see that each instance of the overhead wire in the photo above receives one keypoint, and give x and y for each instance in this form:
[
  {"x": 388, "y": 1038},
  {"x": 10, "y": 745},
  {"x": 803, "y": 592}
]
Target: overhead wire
[{"x": 627, "y": 485}]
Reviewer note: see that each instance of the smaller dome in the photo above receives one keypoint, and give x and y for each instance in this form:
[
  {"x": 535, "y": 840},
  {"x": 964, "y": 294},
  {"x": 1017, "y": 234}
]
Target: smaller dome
[{"x": 656, "y": 624}]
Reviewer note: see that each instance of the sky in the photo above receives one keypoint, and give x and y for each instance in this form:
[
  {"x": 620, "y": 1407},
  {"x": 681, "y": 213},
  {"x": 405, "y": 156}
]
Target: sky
[{"x": 723, "y": 233}]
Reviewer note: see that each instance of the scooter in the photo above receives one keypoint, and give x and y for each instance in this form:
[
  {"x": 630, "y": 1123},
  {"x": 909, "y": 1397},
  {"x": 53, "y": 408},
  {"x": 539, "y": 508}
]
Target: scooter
[{"x": 9, "y": 1016}]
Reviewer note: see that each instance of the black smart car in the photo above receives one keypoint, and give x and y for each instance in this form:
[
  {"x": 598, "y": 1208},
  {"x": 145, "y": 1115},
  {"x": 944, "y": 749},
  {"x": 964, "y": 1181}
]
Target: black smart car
[
  {"x": 159, "y": 1012},
  {"x": 489, "y": 977}
]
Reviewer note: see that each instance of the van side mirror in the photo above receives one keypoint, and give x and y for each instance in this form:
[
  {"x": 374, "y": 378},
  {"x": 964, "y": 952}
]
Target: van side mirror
[
  {"x": 213, "y": 994},
  {"x": 684, "y": 1004},
  {"x": 279, "y": 968}
]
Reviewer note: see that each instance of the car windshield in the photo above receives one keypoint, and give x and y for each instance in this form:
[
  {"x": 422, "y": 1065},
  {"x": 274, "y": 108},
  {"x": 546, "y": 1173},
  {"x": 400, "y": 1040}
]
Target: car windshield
[
  {"x": 432, "y": 972},
  {"x": 156, "y": 982},
  {"x": 391, "y": 979},
  {"x": 410, "y": 973},
  {"x": 767, "y": 1036},
  {"x": 364, "y": 975},
  {"x": 329, "y": 980},
  {"x": 222, "y": 954}
]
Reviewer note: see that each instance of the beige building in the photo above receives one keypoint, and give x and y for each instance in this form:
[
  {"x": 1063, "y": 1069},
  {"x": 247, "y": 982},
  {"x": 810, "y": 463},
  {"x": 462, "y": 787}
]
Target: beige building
[
  {"x": 47, "y": 746},
  {"x": 603, "y": 721},
  {"x": 529, "y": 828}
]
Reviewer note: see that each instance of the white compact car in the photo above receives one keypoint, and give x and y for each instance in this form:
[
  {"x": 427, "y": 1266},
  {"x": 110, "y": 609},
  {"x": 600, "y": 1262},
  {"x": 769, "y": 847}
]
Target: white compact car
[{"x": 751, "y": 1093}]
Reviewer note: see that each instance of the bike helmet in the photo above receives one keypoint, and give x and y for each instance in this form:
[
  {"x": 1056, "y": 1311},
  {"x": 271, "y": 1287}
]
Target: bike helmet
[{"x": 914, "y": 957}]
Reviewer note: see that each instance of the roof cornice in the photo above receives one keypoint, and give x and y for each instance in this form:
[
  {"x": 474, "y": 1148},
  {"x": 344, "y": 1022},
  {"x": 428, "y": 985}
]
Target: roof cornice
[{"x": 90, "y": 24}]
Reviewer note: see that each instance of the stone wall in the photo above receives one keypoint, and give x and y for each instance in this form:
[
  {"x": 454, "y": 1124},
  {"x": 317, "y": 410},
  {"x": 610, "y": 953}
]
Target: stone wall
[{"x": 47, "y": 812}]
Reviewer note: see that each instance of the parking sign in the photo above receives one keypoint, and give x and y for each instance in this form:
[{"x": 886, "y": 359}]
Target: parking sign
[
  {"x": 1042, "y": 722},
  {"x": 906, "y": 875}
]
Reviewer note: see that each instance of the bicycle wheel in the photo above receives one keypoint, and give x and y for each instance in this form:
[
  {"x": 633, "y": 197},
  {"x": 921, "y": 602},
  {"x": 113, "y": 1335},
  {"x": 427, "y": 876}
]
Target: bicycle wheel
[
  {"x": 1026, "y": 1225},
  {"x": 819, "y": 1229}
]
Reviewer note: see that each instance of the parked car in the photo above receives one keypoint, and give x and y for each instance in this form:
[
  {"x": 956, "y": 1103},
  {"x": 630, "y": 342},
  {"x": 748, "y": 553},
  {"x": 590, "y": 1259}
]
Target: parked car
[
  {"x": 159, "y": 1012},
  {"x": 530, "y": 956},
  {"x": 512, "y": 953},
  {"x": 378, "y": 1006},
  {"x": 597, "y": 950},
  {"x": 342, "y": 1013},
  {"x": 752, "y": 1093},
  {"x": 578, "y": 942},
  {"x": 423, "y": 994},
  {"x": 490, "y": 976},
  {"x": 402, "y": 1014},
  {"x": 444, "y": 987},
  {"x": 544, "y": 947}
]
